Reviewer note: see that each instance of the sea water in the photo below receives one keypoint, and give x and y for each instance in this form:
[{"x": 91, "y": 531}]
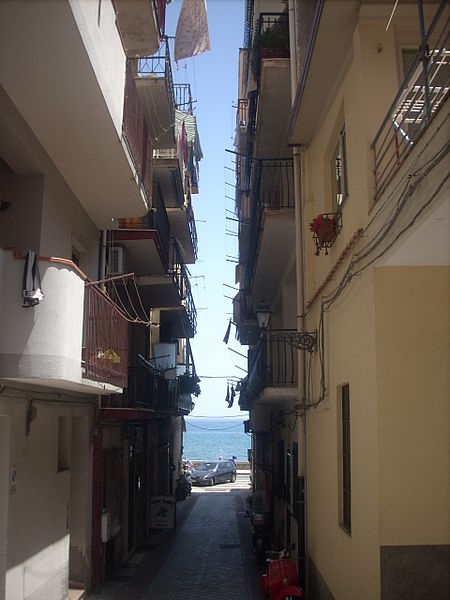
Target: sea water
[{"x": 213, "y": 438}]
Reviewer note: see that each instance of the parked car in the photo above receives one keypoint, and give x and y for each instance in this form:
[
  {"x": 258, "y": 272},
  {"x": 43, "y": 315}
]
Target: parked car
[{"x": 212, "y": 472}]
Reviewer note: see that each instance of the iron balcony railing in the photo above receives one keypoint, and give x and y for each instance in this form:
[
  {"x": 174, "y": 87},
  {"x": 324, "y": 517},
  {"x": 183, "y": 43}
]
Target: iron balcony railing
[
  {"x": 161, "y": 219},
  {"x": 106, "y": 339},
  {"x": 135, "y": 134},
  {"x": 272, "y": 189},
  {"x": 183, "y": 98},
  {"x": 159, "y": 66},
  {"x": 192, "y": 227},
  {"x": 421, "y": 95},
  {"x": 270, "y": 39},
  {"x": 156, "y": 218},
  {"x": 147, "y": 388},
  {"x": 180, "y": 276},
  {"x": 273, "y": 365},
  {"x": 242, "y": 113}
]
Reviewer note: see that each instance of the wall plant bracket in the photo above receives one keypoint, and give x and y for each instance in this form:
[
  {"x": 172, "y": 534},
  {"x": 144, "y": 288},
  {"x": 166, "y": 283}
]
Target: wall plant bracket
[{"x": 325, "y": 229}]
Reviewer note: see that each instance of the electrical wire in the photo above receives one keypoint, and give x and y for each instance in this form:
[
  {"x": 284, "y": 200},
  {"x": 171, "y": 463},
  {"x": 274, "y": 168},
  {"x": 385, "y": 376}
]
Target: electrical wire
[{"x": 404, "y": 191}]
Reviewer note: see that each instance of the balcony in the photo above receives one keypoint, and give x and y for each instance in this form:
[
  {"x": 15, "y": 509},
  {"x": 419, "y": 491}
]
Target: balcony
[
  {"x": 154, "y": 82},
  {"x": 273, "y": 374},
  {"x": 81, "y": 100},
  {"x": 148, "y": 389},
  {"x": 162, "y": 279},
  {"x": 270, "y": 40},
  {"x": 140, "y": 23},
  {"x": 145, "y": 241},
  {"x": 271, "y": 236},
  {"x": 419, "y": 99},
  {"x": 43, "y": 345},
  {"x": 163, "y": 102},
  {"x": 271, "y": 101},
  {"x": 106, "y": 339},
  {"x": 170, "y": 291},
  {"x": 136, "y": 136}
]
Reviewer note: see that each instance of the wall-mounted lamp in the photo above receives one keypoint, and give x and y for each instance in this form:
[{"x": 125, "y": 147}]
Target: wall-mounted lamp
[
  {"x": 263, "y": 313},
  {"x": 302, "y": 340}
]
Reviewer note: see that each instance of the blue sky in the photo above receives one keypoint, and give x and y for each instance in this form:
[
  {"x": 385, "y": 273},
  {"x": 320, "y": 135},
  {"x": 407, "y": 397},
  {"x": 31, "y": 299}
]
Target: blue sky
[{"x": 213, "y": 77}]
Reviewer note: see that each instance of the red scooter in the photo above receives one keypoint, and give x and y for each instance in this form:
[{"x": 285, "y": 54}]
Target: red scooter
[{"x": 281, "y": 580}]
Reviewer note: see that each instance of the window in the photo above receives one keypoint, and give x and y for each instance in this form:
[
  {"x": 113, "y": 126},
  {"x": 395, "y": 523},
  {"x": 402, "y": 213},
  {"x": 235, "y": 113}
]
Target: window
[
  {"x": 345, "y": 460},
  {"x": 339, "y": 187}
]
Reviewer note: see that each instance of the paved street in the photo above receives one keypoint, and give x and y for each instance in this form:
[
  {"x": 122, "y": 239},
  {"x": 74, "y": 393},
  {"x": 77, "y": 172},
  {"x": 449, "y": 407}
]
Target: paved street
[{"x": 209, "y": 556}]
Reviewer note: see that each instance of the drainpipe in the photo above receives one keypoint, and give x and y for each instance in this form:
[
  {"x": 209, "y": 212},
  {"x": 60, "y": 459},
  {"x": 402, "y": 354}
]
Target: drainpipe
[{"x": 298, "y": 166}]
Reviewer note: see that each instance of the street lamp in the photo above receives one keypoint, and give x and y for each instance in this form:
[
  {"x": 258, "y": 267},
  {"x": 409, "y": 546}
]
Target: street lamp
[
  {"x": 263, "y": 313},
  {"x": 302, "y": 340}
]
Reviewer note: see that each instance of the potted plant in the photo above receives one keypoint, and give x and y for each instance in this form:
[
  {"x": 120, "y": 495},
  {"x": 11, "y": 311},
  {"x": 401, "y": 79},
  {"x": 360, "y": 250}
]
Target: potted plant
[
  {"x": 188, "y": 383},
  {"x": 325, "y": 227},
  {"x": 271, "y": 42}
]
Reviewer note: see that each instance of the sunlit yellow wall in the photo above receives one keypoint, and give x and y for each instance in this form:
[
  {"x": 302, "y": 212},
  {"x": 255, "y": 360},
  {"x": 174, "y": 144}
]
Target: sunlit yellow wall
[
  {"x": 349, "y": 564},
  {"x": 412, "y": 313},
  {"x": 350, "y": 358}
]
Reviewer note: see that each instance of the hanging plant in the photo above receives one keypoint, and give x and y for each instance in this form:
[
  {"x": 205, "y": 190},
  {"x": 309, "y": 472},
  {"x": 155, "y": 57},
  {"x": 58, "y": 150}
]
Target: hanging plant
[
  {"x": 325, "y": 228},
  {"x": 188, "y": 383}
]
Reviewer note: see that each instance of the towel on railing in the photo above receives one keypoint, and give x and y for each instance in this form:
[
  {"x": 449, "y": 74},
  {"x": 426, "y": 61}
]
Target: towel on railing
[{"x": 31, "y": 294}]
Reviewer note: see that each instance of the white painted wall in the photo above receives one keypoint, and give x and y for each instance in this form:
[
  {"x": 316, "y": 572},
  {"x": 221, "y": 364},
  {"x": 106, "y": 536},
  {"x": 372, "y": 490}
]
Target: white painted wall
[
  {"x": 38, "y": 533},
  {"x": 44, "y": 341},
  {"x": 97, "y": 24}
]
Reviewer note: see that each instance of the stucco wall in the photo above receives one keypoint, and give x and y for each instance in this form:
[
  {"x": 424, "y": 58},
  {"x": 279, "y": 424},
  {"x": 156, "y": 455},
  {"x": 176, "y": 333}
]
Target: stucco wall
[
  {"x": 40, "y": 505},
  {"x": 98, "y": 28},
  {"x": 412, "y": 313},
  {"x": 349, "y": 358}
]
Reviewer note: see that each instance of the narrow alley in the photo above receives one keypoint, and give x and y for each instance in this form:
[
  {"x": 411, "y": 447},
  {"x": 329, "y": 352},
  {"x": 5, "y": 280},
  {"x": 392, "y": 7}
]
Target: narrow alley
[{"x": 209, "y": 555}]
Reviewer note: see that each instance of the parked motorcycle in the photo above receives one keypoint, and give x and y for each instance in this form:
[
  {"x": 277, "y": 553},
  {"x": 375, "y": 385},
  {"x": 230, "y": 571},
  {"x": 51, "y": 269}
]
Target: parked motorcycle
[
  {"x": 261, "y": 535},
  {"x": 281, "y": 580}
]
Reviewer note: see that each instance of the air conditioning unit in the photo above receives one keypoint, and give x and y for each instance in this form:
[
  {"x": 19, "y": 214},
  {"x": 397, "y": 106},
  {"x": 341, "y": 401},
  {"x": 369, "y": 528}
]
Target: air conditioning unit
[{"x": 116, "y": 261}]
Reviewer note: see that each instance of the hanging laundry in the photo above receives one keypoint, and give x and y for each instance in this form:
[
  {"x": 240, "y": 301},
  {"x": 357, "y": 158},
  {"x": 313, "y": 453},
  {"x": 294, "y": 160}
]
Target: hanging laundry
[
  {"x": 233, "y": 394},
  {"x": 192, "y": 35},
  {"x": 31, "y": 294},
  {"x": 227, "y": 333}
]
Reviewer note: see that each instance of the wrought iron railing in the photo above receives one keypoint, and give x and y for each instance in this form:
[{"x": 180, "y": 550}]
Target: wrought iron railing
[
  {"x": 183, "y": 98},
  {"x": 421, "y": 95},
  {"x": 106, "y": 339},
  {"x": 192, "y": 227},
  {"x": 180, "y": 276},
  {"x": 158, "y": 66},
  {"x": 241, "y": 113},
  {"x": 270, "y": 39},
  {"x": 147, "y": 388},
  {"x": 135, "y": 134},
  {"x": 156, "y": 218},
  {"x": 272, "y": 189},
  {"x": 161, "y": 220},
  {"x": 273, "y": 365}
]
